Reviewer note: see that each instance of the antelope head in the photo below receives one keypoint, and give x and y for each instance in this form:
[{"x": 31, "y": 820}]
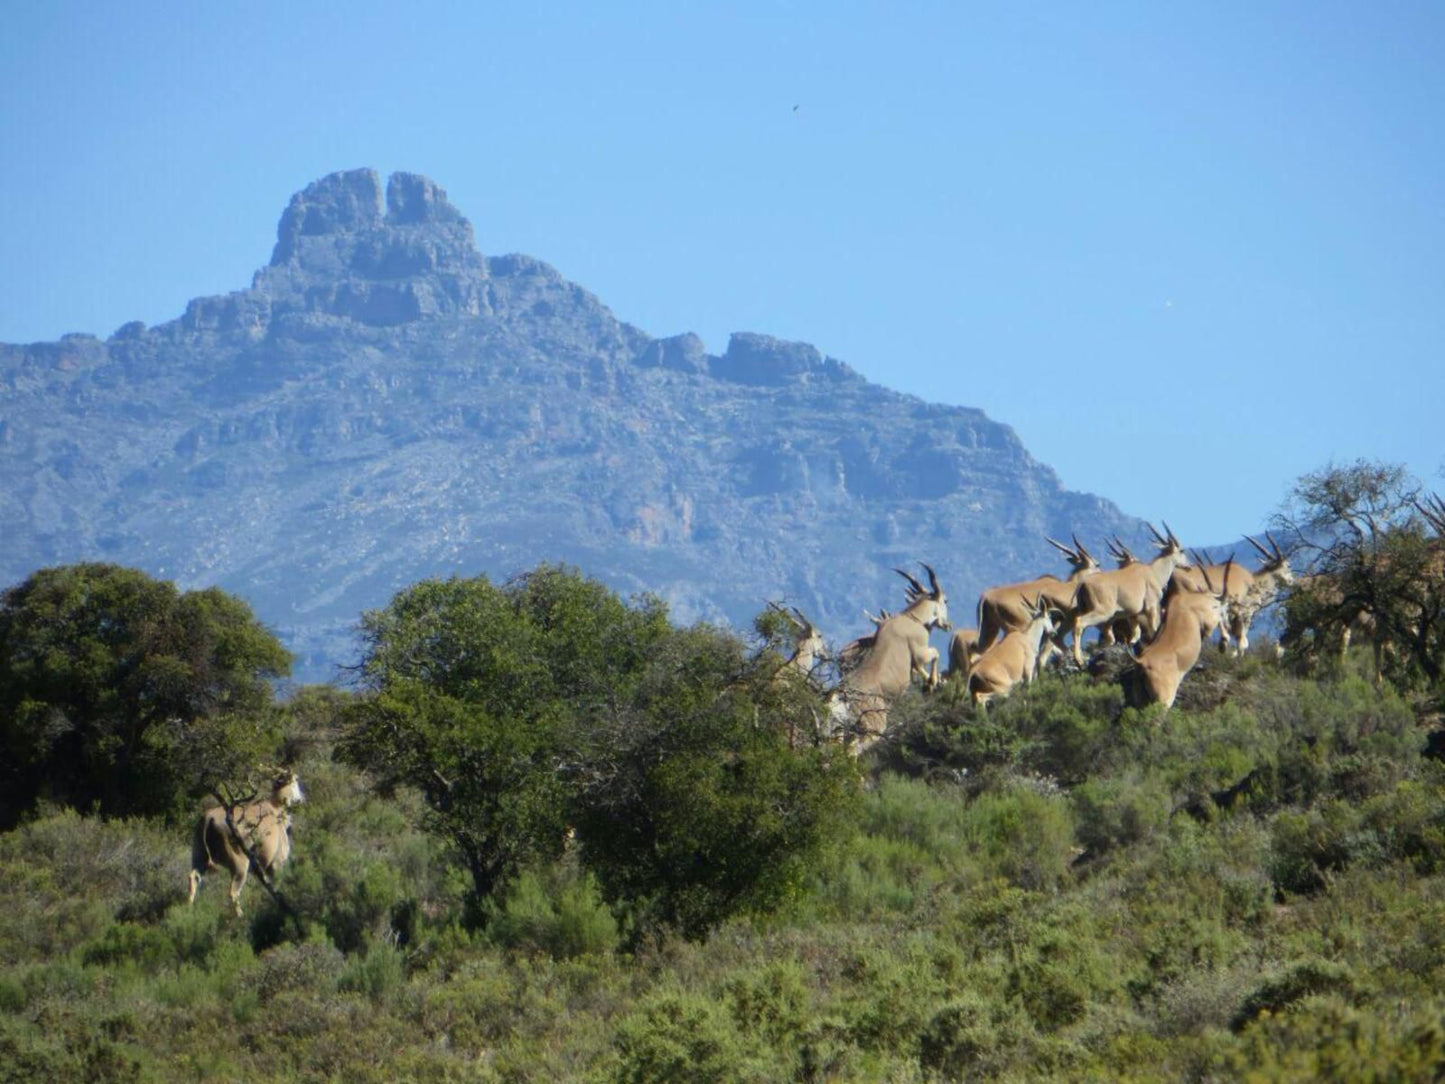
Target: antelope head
[
  {"x": 285, "y": 786},
  {"x": 1080, "y": 558},
  {"x": 930, "y": 600},
  {"x": 1274, "y": 559},
  {"x": 1121, "y": 553},
  {"x": 1170, "y": 548}
]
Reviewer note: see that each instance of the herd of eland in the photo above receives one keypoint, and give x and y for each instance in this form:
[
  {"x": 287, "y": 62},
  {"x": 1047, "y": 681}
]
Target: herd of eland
[{"x": 1162, "y": 609}]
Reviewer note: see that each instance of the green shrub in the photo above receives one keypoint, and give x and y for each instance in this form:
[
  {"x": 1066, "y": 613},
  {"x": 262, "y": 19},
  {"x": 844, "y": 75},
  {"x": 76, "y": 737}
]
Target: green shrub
[
  {"x": 1024, "y": 833},
  {"x": 377, "y": 974},
  {"x": 1296, "y": 982},
  {"x": 771, "y": 1001},
  {"x": 560, "y": 916},
  {"x": 678, "y": 1038},
  {"x": 144, "y": 946},
  {"x": 1335, "y": 1043},
  {"x": 1116, "y": 811},
  {"x": 961, "y": 1040},
  {"x": 312, "y": 965}
]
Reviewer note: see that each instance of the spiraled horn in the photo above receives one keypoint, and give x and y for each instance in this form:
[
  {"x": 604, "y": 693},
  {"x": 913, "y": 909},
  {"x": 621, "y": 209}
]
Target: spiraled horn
[
  {"x": 1071, "y": 554},
  {"x": 1159, "y": 537},
  {"x": 932, "y": 579},
  {"x": 1262, "y": 551},
  {"x": 1170, "y": 532},
  {"x": 1278, "y": 553},
  {"x": 916, "y": 587},
  {"x": 1204, "y": 571}
]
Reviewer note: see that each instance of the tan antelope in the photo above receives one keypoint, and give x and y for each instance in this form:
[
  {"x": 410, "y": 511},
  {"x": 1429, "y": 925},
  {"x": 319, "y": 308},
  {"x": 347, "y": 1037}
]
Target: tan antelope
[
  {"x": 1014, "y": 658},
  {"x": 886, "y": 662},
  {"x": 1133, "y": 593},
  {"x": 1337, "y": 607},
  {"x": 808, "y": 648},
  {"x": 1003, "y": 609},
  {"x": 962, "y": 648},
  {"x": 1190, "y": 618},
  {"x": 233, "y": 835},
  {"x": 1249, "y": 591}
]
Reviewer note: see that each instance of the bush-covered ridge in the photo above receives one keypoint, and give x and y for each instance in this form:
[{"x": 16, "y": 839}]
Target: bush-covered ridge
[{"x": 1066, "y": 889}]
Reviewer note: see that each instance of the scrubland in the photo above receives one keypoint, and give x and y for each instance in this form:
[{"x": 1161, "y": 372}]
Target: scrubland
[{"x": 1251, "y": 887}]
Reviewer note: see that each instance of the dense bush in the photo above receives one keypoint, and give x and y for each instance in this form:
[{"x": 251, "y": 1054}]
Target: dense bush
[
  {"x": 119, "y": 692},
  {"x": 547, "y": 706},
  {"x": 1252, "y": 887}
]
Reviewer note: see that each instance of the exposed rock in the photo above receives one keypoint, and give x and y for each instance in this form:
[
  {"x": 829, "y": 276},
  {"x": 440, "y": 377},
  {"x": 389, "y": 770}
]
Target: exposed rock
[{"x": 384, "y": 404}]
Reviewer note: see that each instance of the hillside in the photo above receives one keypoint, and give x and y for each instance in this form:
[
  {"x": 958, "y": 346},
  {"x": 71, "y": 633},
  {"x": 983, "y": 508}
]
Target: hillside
[
  {"x": 384, "y": 404},
  {"x": 1250, "y": 889}
]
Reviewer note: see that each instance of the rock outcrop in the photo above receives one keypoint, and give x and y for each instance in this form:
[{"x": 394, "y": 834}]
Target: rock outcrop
[{"x": 385, "y": 404}]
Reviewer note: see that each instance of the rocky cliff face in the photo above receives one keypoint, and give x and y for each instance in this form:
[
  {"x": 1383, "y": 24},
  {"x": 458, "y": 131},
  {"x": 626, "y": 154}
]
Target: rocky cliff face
[{"x": 385, "y": 404}]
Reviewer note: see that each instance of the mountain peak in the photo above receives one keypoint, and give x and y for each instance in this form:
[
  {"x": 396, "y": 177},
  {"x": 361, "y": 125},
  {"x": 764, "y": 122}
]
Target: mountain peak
[{"x": 341, "y": 249}]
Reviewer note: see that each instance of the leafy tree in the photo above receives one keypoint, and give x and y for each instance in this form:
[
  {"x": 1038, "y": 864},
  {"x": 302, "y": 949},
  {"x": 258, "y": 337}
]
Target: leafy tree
[
  {"x": 523, "y": 710},
  {"x": 473, "y": 694},
  {"x": 1375, "y": 566},
  {"x": 121, "y": 692},
  {"x": 698, "y": 803}
]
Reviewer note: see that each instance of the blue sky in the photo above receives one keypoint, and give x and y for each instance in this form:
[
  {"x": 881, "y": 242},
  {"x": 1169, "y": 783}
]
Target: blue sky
[{"x": 1188, "y": 251}]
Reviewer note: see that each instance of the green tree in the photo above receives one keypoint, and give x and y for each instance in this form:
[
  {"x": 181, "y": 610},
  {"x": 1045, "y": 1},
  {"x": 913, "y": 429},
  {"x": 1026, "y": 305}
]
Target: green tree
[
  {"x": 474, "y": 694},
  {"x": 121, "y": 692},
  {"x": 1375, "y": 567},
  {"x": 523, "y": 710},
  {"x": 699, "y": 802}
]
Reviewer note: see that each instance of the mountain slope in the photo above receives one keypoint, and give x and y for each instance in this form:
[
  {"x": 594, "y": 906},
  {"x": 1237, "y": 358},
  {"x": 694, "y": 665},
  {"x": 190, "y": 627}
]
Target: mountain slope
[{"x": 385, "y": 404}]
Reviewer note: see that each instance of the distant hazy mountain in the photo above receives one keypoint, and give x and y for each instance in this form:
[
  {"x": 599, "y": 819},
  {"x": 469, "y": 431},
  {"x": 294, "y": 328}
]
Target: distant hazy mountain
[{"x": 385, "y": 404}]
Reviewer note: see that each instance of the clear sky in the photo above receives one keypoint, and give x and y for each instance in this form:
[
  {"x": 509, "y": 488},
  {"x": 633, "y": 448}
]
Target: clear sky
[{"x": 1188, "y": 252}]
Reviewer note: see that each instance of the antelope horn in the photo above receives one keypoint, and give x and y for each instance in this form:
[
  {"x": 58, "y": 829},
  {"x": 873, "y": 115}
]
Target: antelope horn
[
  {"x": 1204, "y": 571},
  {"x": 1278, "y": 553},
  {"x": 932, "y": 579},
  {"x": 913, "y": 583},
  {"x": 1159, "y": 537},
  {"x": 1262, "y": 551},
  {"x": 1061, "y": 547},
  {"x": 1080, "y": 547},
  {"x": 803, "y": 623},
  {"x": 1170, "y": 532}
]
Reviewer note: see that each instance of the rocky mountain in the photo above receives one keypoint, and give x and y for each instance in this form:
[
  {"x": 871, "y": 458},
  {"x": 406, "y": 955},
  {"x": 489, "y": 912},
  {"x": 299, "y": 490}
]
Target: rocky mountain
[{"x": 385, "y": 404}]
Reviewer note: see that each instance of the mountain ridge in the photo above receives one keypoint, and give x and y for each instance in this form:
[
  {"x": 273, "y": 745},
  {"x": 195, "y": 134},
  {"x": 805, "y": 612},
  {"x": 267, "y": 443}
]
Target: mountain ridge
[{"x": 385, "y": 403}]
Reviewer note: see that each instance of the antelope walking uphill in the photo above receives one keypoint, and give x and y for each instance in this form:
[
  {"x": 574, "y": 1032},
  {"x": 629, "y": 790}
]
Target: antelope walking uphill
[
  {"x": 878, "y": 668},
  {"x": 246, "y": 832}
]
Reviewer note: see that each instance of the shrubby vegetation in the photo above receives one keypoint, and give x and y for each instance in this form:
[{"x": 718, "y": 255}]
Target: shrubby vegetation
[
  {"x": 121, "y": 693},
  {"x": 550, "y": 836}
]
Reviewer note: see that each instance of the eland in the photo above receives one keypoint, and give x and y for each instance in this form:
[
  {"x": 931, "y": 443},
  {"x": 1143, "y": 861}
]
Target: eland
[
  {"x": 1015, "y": 658},
  {"x": 1190, "y": 618},
  {"x": 1006, "y": 608},
  {"x": 884, "y": 664},
  {"x": 243, "y": 833},
  {"x": 1130, "y": 594}
]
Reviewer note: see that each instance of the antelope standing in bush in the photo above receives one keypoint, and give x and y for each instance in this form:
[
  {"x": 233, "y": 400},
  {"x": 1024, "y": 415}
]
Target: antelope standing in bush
[
  {"x": 1005, "y": 608},
  {"x": 234, "y": 835},
  {"x": 1132, "y": 592},
  {"x": 1014, "y": 658},
  {"x": 962, "y": 648},
  {"x": 887, "y": 662},
  {"x": 1189, "y": 620},
  {"x": 809, "y": 646},
  {"x": 1249, "y": 591}
]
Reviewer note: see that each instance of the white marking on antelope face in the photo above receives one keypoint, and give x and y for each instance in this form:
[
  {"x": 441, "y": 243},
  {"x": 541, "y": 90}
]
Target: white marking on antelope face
[{"x": 291, "y": 793}]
